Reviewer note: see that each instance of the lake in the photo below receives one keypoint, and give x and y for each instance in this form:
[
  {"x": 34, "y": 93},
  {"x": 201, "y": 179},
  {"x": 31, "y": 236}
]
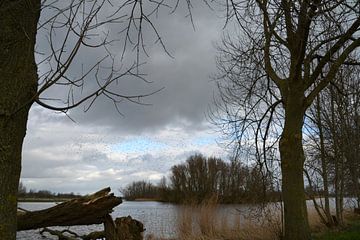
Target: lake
[{"x": 160, "y": 219}]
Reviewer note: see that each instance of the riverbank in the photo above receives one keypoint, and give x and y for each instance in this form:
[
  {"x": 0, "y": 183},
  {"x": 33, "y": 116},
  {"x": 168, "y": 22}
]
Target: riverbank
[
  {"x": 44, "y": 199},
  {"x": 145, "y": 200}
]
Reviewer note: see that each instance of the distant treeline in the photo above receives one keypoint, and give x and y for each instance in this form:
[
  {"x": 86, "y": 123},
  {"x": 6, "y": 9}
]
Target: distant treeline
[
  {"x": 44, "y": 194},
  {"x": 200, "y": 178}
]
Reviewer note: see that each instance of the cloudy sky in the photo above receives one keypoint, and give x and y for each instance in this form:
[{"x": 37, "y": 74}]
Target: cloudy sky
[{"x": 102, "y": 148}]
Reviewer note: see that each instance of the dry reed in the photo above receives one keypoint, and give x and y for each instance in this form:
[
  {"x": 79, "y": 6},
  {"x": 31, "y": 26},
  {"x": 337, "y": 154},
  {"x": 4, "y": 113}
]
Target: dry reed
[{"x": 208, "y": 222}]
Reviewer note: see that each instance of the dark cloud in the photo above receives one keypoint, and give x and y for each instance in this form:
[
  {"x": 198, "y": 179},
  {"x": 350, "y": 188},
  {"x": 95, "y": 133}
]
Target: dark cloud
[{"x": 185, "y": 78}]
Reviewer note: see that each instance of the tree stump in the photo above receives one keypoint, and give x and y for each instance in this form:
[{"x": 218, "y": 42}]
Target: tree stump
[
  {"x": 124, "y": 228},
  {"x": 129, "y": 229}
]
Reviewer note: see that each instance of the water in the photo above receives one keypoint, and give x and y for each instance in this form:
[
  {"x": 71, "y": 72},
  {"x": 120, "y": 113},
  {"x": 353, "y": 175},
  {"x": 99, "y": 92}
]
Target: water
[{"x": 160, "y": 219}]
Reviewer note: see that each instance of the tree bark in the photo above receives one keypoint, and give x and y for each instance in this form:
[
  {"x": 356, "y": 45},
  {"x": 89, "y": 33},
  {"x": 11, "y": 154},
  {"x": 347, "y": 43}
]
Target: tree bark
[
  {"x": 18, "y": 86},
  {"x": 292, "y": 162}
]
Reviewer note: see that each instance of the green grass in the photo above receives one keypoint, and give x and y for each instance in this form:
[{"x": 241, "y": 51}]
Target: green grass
[{"x": 351, "y": 232}]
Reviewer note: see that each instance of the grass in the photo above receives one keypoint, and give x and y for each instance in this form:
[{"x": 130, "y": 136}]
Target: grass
[{"x": 350, "y": 232}]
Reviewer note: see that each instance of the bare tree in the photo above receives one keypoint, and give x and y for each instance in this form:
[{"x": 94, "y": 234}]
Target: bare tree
[
  {"x": 287, "y": 52},
  {"x": 200, "y": 178},
  {"x": 333, "y": 138},
  {"x": 318, "y": 163}
]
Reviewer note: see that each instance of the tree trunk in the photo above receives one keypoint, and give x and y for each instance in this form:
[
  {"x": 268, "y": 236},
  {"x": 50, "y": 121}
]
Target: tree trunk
[
  {"x": 337, "y": 157},
  {"x": 342, "y": 186},
  {"x": 292, "y": 162},
  {"x": 324, "y": 164},
  {"x": 323, "y": 218},
  {"x": 18, "y": 86}
]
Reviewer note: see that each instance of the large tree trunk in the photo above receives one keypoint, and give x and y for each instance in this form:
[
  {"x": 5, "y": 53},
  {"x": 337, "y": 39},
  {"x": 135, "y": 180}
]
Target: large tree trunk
[
  {"x": 292, "y": 162},
  {"x": 18, "y": 86}
]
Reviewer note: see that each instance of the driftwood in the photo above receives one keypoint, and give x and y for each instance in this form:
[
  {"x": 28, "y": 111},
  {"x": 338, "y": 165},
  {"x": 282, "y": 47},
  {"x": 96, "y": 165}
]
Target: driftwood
[
  {"x": 124, "y": 228},
  {"x": 66, "y": 234},
  {"x": 87, "y": 210},
  {"x": 92, "y": 209}
]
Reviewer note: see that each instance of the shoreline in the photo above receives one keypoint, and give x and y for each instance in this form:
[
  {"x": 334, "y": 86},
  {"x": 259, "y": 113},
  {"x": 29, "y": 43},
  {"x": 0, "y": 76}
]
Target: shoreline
[{"x": 44, "y": 199}]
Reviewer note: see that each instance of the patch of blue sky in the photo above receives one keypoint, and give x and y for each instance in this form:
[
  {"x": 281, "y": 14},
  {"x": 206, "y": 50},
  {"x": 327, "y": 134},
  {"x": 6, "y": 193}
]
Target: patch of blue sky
[
  {"x": 139, "y": 144},
  {"x": 201, "y": 141}
]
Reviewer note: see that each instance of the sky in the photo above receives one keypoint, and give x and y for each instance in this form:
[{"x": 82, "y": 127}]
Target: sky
[{"x": 102, "y": 148}]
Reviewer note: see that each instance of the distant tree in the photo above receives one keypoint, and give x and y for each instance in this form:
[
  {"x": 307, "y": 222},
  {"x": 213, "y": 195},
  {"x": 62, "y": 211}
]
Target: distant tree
[
  {"x": 165, "y": 192},
  {"x": 140, "y": 190},
  {"x": 200, "y": 178},
  {"x": 22, "y": 189}
]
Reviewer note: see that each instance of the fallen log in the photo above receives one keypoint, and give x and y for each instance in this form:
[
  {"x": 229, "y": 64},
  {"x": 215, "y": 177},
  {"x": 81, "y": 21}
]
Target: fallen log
[
  {"x": 124, "y": 228},
  {"x": 61, "y": 235},
  {"x": 92, "y": 209}
]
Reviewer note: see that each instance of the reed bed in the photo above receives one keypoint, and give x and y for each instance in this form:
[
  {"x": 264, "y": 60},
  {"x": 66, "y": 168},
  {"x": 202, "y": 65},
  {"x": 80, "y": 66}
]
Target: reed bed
[{"x": 207, "y": 222}]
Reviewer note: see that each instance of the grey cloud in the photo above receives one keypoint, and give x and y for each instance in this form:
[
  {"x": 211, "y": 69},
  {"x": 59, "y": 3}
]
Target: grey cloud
[
  {"x": 62, "y": 156},
  {"x": 187, "y": 88}
]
